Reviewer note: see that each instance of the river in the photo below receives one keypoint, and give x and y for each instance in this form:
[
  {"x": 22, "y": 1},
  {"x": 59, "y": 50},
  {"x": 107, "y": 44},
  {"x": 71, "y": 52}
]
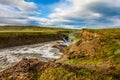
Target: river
[{"x": 42, "y": 51}]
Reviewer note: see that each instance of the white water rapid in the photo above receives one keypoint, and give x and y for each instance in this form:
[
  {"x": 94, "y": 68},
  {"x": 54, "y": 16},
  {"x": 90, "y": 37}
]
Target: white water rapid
[{"x": 41, "y": 51}]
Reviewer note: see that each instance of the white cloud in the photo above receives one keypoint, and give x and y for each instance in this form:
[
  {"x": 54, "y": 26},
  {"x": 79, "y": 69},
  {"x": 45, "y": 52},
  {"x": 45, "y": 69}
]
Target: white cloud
[
  {"x": 17, "y": 12},
  {"x": 79, "y": 10},
  {"x": 40, "y": 21},
  {"x": 19, "y": 4}
]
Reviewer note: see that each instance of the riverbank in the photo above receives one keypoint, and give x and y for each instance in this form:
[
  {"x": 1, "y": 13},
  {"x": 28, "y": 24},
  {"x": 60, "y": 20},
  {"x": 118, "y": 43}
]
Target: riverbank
[
  {"x": 24, "y": 38},
  {"x": 17, "y": 35}
]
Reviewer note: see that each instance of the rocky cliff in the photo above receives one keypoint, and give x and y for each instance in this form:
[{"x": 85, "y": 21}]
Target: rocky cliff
[
  {"x": 95, "y": 57},
  {"x": 87, "y": 46}
]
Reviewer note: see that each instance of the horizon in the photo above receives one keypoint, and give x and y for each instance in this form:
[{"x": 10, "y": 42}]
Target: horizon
[{"x": 76, "y": 14}]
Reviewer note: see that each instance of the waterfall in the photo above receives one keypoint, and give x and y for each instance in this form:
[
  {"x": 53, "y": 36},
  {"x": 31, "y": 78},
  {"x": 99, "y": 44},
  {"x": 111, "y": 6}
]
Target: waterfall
[{"x": 67, "y": 41}]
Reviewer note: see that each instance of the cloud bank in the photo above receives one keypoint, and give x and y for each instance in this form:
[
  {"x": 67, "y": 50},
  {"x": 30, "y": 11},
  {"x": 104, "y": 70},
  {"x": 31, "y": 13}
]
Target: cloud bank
[{"x": 65, "y": 13}]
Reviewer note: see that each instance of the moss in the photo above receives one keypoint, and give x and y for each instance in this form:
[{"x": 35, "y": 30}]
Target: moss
[
  {"x": 58, "y": 74},
  {"x": 34, "y": 76},
  {"x": 85, "y": 61},
  {"x": 61, "y": 73},
  {"x": 9, "y": 79}
]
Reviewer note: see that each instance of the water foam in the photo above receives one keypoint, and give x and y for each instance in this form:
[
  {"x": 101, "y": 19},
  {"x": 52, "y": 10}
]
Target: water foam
[{"x": 42, "y": 51}]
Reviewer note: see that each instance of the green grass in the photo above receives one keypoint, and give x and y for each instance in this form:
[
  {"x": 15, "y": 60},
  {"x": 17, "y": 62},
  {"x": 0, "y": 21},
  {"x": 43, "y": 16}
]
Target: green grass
[
  {"x": 14, "y": 31},
  {"x": 31, "y": 28},
  {"x": 14, "y": 34},
  {"x": 109, "y": 31},
  {"x": 75, "y": 35}
]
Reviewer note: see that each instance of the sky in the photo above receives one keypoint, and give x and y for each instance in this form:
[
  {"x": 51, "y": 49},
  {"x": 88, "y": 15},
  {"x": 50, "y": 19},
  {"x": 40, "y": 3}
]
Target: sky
[{"x": 61, "y": 13}]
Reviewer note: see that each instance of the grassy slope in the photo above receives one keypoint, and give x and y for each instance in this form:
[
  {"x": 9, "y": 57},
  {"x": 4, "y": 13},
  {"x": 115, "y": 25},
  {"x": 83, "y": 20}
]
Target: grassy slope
[
  {"x": 30, "y": 29},
  {"x": 6, "y": 31},
  {"x": 103, "y": 65}
]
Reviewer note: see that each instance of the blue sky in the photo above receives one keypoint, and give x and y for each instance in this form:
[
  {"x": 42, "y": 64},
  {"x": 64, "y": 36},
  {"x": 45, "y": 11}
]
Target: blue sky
[
  {"x": 61, "y": 13},
  {"x": 44, "y": 2}
]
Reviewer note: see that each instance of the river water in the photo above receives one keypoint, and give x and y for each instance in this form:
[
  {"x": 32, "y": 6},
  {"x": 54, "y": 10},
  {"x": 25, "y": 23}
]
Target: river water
[{"x": 42, "y": 51}]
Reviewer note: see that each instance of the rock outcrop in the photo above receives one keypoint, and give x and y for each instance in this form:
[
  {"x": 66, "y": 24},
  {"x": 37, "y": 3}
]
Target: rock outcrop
[
  {"x": 26, "y": 69},
  {"x": 87, "y": 46},
  {"x": 60, "y": 47}
]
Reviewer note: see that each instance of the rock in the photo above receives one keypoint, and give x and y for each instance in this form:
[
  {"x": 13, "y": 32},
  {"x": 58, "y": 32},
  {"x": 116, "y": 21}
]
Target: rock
[
  {"x": 60, "y": 47},
  {"x": 22, "y": 70},
  {"x": 87, "y": 46}
]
